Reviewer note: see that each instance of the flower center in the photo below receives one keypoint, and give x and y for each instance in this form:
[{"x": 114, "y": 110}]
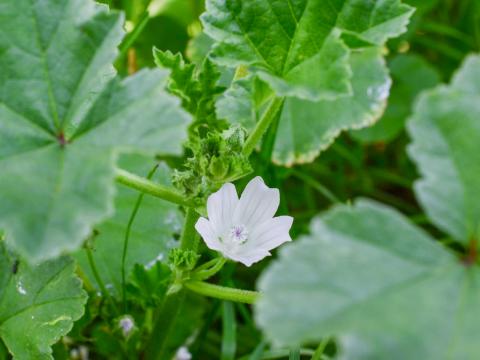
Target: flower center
[{"x": 238, "y": 234}]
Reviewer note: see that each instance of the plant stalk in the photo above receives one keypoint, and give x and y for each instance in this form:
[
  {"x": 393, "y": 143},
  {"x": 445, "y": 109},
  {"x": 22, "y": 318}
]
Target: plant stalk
[
  {"x": 166, "y": 318},
  {"x": 99, "y": 280},
  {"x": 127, "y": 238},
  {"x": 203, "y": 274},
  {"x": 262, "y": 125},
  {"x": 189, "y": 234},
  {"x": 222, "y": 292},
  {"x": 165, "y": 321},
  {"x": 149, "y": 187}
]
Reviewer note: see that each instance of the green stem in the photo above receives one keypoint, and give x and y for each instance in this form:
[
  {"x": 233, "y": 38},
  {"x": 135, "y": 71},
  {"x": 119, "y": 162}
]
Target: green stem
[
  {"x": 99, "y": 280},
  {"x": 294, "y": 354},
  {"x": 203, "y": 274},
  {"x": 278, "y": 354},
  {"x": 206, "y": 265},
  {"x": 229, "y": 331},
  {"x": 262, "y": 126},
  {"x": 318, "y": 355},
  {"x": 149, "y": 187},
  {"x": 127, "y": 238},
  {"x": 317, "y": 186},
  {"x": 131, "y": 37},
  {"x": 189, "y": 234},
  {"x": 221, "y": 292},
  {"x": 165, "y": 321}
]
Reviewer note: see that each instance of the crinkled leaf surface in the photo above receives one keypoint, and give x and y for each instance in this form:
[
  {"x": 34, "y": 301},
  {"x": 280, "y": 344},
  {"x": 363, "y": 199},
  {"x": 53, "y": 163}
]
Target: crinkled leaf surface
[
  {"x": 295, "y": 46},
  {"x": 445, "y": 129},
  {"x": 411, "y": 74},
  {"x": 63, "y": 118},
  {"x": 307, "y": 127},
  {"x": 38, "y": 304},
  {"x": 381, "y": 284},
  {"x": 151, "y": 234},
  {"x": 244, "y": 101},
  {"x": 195, "y": 85}
]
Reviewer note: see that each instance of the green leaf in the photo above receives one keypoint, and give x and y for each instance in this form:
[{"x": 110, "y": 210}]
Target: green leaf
[
  {"x": 195, "y": 85},
  {"x": 244, "y": 101},
  {"x": 152, "y": 232},
  {"x": 63, "y": 119},
  {"x": 148, "y": 285},
  {"x": 295, "y": 46},
  {"x": 369, "y": 276},
  {"x": 411, "y": 74},
  {"x": 38, "y": 304},
  {"x": 373, "y": 21},
  {"x": 306, "y": 128},
  {"x": 446, "y": 132}
]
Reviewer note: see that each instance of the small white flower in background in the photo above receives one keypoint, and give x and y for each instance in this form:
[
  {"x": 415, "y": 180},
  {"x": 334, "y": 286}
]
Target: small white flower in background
[
  {"x": 127, "y": 325},
  {"x": 183, "y": 354},
  {"x": 244, "y": 229}
]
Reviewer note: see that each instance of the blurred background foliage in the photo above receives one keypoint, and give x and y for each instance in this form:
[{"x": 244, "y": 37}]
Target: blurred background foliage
[{"x": 370, "y": 163}]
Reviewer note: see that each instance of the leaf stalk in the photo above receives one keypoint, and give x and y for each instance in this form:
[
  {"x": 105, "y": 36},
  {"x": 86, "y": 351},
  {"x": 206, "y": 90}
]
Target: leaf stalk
[
  {"x": 262, "y": 125},
  {"x": 149, "y": 187},
  {"x": 222, "y": 292}
]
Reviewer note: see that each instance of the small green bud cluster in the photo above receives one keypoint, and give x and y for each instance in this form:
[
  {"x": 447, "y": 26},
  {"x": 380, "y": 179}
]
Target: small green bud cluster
[
  {"x": 184, "y": 260},
  {"x": 216, "y": 159}
]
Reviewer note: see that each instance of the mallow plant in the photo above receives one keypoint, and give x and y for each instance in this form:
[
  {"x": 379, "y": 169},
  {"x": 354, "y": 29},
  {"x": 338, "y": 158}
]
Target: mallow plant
[{"x": 124, "y": 201}]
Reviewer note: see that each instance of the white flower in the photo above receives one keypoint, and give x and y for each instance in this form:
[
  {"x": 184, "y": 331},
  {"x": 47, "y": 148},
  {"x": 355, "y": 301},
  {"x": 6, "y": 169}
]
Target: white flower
[
  {"x": 183, "y": 354},
  {"x": 244, "y": 229},
  {"x": 126, "y": 324}
]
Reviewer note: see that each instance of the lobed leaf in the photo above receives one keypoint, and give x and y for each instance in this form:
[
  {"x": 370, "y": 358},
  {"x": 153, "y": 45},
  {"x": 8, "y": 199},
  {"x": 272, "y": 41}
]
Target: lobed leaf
[
  {"x": 38, "y": 304},
  {"x": 296, "y": 46},
  {"x": 64, "y": 117},
  {"x": 307, "y": 127},
  {"x": 445, "y": 131},
  {"x": 377, "y": 281},
  {"x": 411, "y": 74}
]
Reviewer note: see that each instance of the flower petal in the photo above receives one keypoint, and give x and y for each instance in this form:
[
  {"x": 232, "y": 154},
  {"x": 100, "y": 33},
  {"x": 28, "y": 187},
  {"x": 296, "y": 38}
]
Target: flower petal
[
  {"x": 250, "y": 257},
  {"x": 257, "y": 204},
  {"x": 206, "y": 230},
  {"x": 270, "y": 234},
  {"x": 221, "y": 206}
]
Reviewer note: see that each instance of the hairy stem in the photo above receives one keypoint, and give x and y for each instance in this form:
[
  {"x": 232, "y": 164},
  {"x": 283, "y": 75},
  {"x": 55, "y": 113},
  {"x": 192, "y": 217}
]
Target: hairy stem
[
  {"x": 262, "y": 125},
  {"x": 149, "y": 187},
  {"x": 187, "y": 239},
  {"x": 222, "y": 292}
]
